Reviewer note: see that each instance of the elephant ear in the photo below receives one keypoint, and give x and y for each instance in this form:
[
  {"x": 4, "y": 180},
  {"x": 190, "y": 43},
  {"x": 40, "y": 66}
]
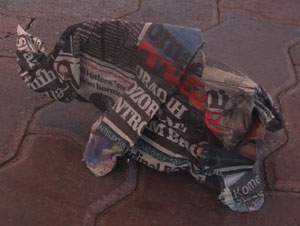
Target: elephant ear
[{"x": 28, "y": 42}]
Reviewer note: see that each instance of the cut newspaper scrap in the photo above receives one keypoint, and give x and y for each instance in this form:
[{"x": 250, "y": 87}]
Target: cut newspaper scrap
[{"x": 162, "y": 104}]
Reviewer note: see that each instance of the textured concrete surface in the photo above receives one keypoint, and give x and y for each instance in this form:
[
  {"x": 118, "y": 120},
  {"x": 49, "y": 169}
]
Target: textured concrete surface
[{"x": 43, "y": 180}]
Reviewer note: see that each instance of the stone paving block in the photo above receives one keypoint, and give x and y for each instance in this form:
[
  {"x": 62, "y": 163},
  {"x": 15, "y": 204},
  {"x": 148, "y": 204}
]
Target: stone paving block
[
  {"x": 291, "y": 98},
  {"x": 50, "y": 185},
  {"x": 82, "y": 9},
  {"x": 17, "y": 105},
  {"x": 200, "y": 14},
  {"x": 176, "y": 199},
  {"x": 283, "y": 167},
  {"x": 256, "y": 48},
  {"x": 71, "y": 118},
  {"x": 282, "y": 11},
  {"x": 9, "y": 24}
]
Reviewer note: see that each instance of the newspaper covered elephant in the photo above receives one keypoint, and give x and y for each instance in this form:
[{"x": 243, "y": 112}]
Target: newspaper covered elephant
[{"x": 163, "y": 105}]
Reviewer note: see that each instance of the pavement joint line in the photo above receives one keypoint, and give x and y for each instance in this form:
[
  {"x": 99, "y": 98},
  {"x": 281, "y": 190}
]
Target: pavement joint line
[
  {"x": 56, "y": 132},
  {"x": 139, "y": 178},
  {"x": 219, "y": 22},
  {"x": 14, "y": 158},
  {"x": 62, "y": 136},
  {"x": 3, "y": 56},
  {"x": 281, "y": 96},
  {"x": 219, "y": 11},
  {"x": 283, "y": 190},
  {"x": 112, "y": 198},
  {"x": 8, "y": 35},
  {"x": 99, "y": 216},
  {"x": 281, "y": 146},
  {"x": 129, "y": 13},
  {"x": 277, "y": 191},
  {"x": 259, "y": 16},
  {"x": 293, "y": 85},
  {"x": 26, "y": 28}
]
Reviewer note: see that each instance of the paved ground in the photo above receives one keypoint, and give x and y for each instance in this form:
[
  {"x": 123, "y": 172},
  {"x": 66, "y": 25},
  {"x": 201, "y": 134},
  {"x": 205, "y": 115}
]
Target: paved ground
[{"x": 43, "y": 180}]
